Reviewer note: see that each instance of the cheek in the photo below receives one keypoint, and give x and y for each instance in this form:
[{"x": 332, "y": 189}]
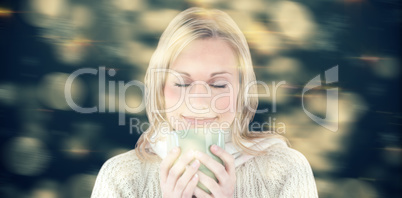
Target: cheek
[
  {"x": 226, "y": 101},
  {"x": 172, "y": 96},
  {"x": 228, "y": 104}
]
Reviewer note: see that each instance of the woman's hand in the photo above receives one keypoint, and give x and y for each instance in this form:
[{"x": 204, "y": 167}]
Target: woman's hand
[
  {"x": 225, "y": 174},
  {"x": 180, "y": 179}
]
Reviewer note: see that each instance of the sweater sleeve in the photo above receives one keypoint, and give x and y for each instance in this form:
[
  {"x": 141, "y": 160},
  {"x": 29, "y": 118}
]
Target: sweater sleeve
[
  {"x": 121, "y": 176},
  {"x": 299, "y": 179}
]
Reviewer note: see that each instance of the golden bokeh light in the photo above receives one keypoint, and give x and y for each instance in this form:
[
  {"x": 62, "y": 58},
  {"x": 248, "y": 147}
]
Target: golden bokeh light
[
  {"x": 51, "y": 91},
  {"x": 295, "y": 21},
  {"x": 26, "y": 156}
]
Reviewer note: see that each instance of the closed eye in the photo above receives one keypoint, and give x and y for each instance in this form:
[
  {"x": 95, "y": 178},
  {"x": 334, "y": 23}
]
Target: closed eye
[
  {"x": 181, "y": 85},
  {"x": 212, "y": 85},
  {"x": 217, "y": 86}
]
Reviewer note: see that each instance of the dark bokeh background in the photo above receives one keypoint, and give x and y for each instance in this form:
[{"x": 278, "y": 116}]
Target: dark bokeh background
[{"x": 48, "y": 150}]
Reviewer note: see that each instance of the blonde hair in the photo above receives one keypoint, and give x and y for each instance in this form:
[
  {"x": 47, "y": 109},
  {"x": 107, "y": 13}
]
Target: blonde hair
[{"x": 189, "y": 25}]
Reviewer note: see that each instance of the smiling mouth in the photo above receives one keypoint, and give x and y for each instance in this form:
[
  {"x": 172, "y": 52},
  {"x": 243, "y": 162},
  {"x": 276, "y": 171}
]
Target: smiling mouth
[{"x": 199, "y": 120}]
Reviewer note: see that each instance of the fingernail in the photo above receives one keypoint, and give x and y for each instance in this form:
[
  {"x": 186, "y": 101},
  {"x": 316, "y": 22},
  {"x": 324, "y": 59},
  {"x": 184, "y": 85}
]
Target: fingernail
[
  {"x": 214, "y": 147},
  {"x": 195, "y": 164},
  {"x": 195, "y": 176}
]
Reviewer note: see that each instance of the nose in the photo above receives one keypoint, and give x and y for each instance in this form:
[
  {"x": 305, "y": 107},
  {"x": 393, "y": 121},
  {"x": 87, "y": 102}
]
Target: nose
[{"x": 198, "y": 97}]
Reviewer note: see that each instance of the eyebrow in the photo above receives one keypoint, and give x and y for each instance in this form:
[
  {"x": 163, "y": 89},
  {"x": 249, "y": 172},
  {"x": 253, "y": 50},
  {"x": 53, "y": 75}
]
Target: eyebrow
[
  {"x": 219, "y": 73},
  {"x": 212, "y": 75}
]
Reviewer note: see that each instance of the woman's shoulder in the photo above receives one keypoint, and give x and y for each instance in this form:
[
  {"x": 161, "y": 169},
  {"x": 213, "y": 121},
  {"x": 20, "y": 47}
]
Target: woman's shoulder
[
  {"x": 284, "y": 158},
  {"x": 285, "y": 153},
  {"x": 128, "y": 157},
  {"x": 121, "y": 174},
  {"x": 127, "y": 163},
  {"x": 120, "y": 163},
  {"x": 284, "y": 171},
  {"x": 284, "y": 166}
]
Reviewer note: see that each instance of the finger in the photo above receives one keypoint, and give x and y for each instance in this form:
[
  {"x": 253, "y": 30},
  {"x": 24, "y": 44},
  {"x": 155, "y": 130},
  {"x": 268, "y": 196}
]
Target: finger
[
  {"x": 168, "y": 162},
  {"x": 226, "y": 157},
  {"x": 178, "y": 168},
  {"x": 186, "y": 177},
  {"x": 199, "y": 193},
  {"x": 210, "y": 184},
  {"x": 217, "y": 168},
  {"x": 189, "y": 191}
]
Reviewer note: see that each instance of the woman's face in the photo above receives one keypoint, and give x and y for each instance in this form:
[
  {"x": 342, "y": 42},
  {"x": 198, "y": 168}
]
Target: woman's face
[{"x": 202, "y": 86}]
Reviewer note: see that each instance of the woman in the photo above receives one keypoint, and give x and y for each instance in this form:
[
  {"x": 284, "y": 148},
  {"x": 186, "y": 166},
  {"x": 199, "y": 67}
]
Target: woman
[{"x": 204, "y": 57}]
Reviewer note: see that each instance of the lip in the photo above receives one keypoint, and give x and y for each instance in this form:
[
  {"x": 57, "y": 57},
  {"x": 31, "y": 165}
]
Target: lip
[{"x": 199, "y": 120}]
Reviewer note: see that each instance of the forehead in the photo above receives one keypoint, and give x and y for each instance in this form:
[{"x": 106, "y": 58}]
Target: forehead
[{"x": 206, "y": 56}]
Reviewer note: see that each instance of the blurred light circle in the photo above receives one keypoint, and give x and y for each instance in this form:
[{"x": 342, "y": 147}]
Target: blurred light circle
[
  {"x": 48, "y": 7},
  {"x": 130, "y": 5},
  {"x": 138, "y": 54},
  {"x": 276, "y": 93},
  {"x": 43, "y": 193},
  {"x": 8, "y": 94},
  {"x": 82, "y": 17},
  {"x": 258, "y": 35},
  {"x": 351, "y": 107},
  {"x": 51, "y": 90},
  {"x": 34, "y": 129},
  {"x": 45, "y": 189},
  {"x": 134, "y": 101},
  {"x": 294, "y": 20},
  {"x": 204, "y": 3},
  {"x": 387, "y": 67},
  {"x": 242, "y": 19},
  {"x": 262, "y": 40},
  {"x": 284, "y": 66},
  {"x": 38, "y": 20},
  {"x": 112, "y": 102},
  {"x": 316, "y": 102},
  {"x": 325, "y": 186},
  {"x": 252, "y": 6},
  {"x": 157, "y": 20},
  {"x": 71, "y": 52},
  {"x": 124, "y": 33},
  {"x": 302, "y": 131},
  {"x": 43, "y": 12},
  {"x": 86, "y": 130},
  {"x": 26, "y": 156},
  {"x": 75, "y": 147}
]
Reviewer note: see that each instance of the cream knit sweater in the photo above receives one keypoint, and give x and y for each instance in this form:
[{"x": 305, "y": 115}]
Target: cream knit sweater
[{"x": 282, "y": 172}]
